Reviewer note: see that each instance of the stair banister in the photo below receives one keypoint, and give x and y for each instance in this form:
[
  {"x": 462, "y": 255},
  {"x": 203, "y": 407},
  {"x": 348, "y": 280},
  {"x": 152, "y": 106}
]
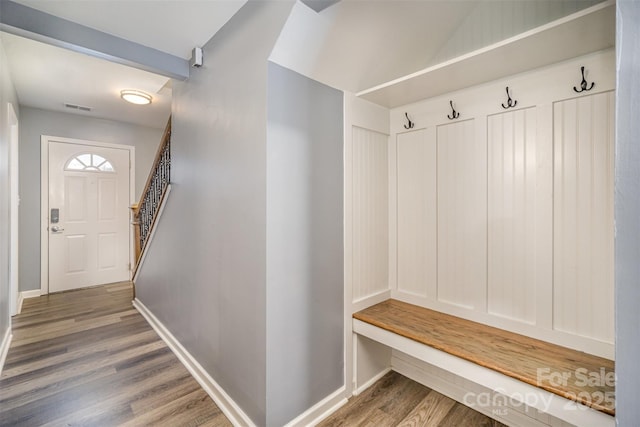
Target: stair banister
[{"x": 145, "y": 212}]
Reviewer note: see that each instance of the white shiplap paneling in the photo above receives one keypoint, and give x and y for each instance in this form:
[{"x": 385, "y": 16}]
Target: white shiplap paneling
[
  {"x": 417, "y": 213},
  {"x": 370, "y": 225},
  {"x": 512, "y": 169},
  {"x": 538, "y": 90},
  {"x": 583, "y": 216},
  {"x": 462, "y": 215}
]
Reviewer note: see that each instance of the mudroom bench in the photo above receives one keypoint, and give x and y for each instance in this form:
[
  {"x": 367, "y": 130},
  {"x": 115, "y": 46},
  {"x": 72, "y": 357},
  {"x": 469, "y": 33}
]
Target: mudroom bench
[{"x": 528, "y": 381}]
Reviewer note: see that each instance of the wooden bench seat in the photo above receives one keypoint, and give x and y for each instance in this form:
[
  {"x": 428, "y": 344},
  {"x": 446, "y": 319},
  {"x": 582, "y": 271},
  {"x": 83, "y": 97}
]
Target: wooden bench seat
[{"x": 532, "y": 361}]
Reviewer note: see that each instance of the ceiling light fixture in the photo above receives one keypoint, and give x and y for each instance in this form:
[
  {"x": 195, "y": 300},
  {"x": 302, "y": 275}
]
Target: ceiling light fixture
[{"x": 135, "y": 97}]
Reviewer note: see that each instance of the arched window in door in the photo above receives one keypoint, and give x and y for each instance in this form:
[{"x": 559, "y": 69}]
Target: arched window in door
[{"x": 89, "y": 162}]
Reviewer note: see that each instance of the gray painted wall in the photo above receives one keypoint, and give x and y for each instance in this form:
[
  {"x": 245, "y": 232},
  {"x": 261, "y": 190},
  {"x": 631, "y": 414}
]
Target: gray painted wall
[
  {"x": 36, "y": 122},
  {"x": 205, "y": 273},
  {"x": 627, "y": 214},
  {"x": 7, "y": 95},
  {"x": 305, "y": 354}
]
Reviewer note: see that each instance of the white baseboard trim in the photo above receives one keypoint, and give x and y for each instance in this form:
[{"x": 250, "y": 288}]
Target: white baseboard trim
[
  {"x": 369, "y": 300},
  {"x": 320, "y": 410},
  {"x": 371, "y": 382},
  {"x": 4, "y": 347},
  {"x": 230, "y": 409},
  {"x": 24, "y": 295},
  {"x": 19, "y": 303},
  {"x": 31, "y": 294},
  {"x": 153, "y": 232}
]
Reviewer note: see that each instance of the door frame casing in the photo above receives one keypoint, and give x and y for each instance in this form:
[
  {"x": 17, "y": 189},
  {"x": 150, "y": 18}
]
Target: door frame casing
[
  {"x": 14, "y": 194},
  {"x": 45, "y": 140}
]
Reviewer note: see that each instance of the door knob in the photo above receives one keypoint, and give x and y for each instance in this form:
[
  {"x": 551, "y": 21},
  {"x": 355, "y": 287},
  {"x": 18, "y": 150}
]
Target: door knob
[{"x": 56, "y": 229}]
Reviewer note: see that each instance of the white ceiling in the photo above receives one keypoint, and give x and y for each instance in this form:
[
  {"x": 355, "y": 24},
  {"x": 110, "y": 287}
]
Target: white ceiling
[
  {"x": 171, "y": 26},
  {"x": 47, "y": 77},
  {"x": 355, "y": 45},
  {"x": 358, "y": 44},
  {"x": 372, "y": 42}
]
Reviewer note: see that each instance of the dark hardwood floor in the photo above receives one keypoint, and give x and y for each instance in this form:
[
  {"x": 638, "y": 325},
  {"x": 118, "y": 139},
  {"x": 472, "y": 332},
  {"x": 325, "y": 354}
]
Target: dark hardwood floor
[
  {"x": 88, "y": 358},
  {"x": 397, "y": 401}
]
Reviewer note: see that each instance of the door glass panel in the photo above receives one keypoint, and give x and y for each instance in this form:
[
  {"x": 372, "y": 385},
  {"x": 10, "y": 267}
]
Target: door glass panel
[
  {"x": 75, "y": 164},
  {"x": 89, "y": 162}
]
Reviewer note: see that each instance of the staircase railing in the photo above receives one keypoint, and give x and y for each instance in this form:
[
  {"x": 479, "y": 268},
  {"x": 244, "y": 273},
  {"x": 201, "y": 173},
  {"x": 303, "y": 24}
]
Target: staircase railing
[{"x": 145, "y": 213}]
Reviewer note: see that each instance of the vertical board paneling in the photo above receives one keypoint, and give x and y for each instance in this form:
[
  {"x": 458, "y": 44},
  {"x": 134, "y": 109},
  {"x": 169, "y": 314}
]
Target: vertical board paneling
[
  {"x": 523, "y": 204},
  {"x": 370, "y": 212},
  {"x": 512, "y": 230},
  {"x": 462, "y": 215},
  {"x": 417, "y": 213},
  {"x": 583, "y": 216}
]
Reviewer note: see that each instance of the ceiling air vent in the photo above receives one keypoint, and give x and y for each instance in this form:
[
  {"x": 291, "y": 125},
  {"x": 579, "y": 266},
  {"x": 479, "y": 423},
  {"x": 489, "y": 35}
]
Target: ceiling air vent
[{"x": 77, "y": 107}]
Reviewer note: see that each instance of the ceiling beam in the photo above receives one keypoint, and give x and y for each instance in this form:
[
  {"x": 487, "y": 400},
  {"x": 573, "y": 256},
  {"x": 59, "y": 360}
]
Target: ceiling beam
[{"x": 37, "y": 25}]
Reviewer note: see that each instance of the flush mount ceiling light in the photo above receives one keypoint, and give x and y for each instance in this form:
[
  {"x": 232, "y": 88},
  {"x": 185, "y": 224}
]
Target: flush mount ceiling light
[{"x": 135, "y": 97}]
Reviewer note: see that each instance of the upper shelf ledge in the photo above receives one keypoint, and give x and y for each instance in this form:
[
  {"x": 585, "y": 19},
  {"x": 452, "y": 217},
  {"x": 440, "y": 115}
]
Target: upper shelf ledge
[{"x": 583, "y": 32}]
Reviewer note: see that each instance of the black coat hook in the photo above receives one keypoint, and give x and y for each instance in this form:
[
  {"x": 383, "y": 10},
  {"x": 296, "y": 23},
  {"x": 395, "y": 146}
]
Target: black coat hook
[
  {"x": 454, "y": 113},
  {"x": 410, "y": 124},
  {"x": 510, "y": 102},
  {"x": 584, "y": 84}
]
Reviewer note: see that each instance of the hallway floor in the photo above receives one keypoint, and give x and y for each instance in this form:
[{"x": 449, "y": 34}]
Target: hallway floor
[
  {"x": 396, "y": 401},
  {"x": 88, "y": 358}
]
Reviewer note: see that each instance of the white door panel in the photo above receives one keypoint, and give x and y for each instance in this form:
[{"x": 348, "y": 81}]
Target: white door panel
[{"x": 90, "y": 187}]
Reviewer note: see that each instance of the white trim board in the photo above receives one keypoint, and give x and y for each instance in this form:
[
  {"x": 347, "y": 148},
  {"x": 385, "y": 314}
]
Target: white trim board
[
  {"x": 231, "y": 410},
  {"x": 19, "y": 303},
  {"x": 371, "y": 381},
  {"x": 535, "y": 398},
  {"x": 14, "y": 217},
  {"x": 44, "y": 198},
  {"x": 35, "y": 293},
  {"x": 320, "y": 410},
  {"x": 4, "y": 347}
]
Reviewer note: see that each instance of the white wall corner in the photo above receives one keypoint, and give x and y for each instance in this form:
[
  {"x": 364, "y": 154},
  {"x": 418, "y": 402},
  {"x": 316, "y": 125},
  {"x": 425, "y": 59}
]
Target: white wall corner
[{"x": 300, "y": 42}]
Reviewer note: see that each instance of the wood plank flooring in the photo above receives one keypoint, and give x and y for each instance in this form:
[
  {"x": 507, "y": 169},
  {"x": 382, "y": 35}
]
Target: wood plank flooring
[
  {"x": 511, "y": 354},
  {"x": 88, "y": 358},
  {"x": 397, "y": 401}
]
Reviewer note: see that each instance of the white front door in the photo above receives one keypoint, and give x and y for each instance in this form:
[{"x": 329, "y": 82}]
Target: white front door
[{"x": 88, "y": 215}]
